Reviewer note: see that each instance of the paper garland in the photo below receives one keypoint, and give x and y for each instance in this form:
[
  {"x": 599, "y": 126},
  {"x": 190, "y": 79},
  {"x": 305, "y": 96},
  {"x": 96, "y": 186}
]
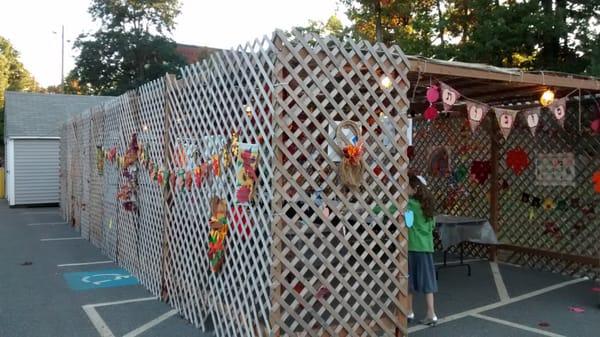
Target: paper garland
[
  {"x": 559, "y": 110},
  {"x": 476, "y": 112},
  {"x": 449, "y": 96},
  {"x": 532, "y": 119},
  {"x": 506, "y": 120}
]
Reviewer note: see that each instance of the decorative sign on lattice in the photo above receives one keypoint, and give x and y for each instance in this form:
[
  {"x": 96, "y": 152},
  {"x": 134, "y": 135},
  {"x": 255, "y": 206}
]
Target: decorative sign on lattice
[{"x": 555, "y": 169}]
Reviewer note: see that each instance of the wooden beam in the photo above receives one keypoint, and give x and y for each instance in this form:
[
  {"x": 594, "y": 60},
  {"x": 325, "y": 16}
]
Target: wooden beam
[
  {"x": 551, "y": 80},
  {"x": 494, "y": 188}
]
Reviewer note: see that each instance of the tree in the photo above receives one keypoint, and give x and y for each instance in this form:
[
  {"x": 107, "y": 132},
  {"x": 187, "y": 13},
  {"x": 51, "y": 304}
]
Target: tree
[
  {"x": 130, "y": 49},
  {"x": 333, "y": 27},
  {"x": 531, "y": 34},
  {"x": 13, "y": 76}
]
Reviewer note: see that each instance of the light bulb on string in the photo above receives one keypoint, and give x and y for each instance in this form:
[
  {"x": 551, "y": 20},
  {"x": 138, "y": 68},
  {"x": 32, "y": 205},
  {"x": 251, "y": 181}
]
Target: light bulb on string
[
  {"x": 547, "y": 97},
  {"x": 248, "y": 110},
  {"x": 386, "y": 82},
  {"x": 145, "y": 128}
]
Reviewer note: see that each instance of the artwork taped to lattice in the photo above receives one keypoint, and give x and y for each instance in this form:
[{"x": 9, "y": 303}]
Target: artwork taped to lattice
[{"x": 293, "y": 266}]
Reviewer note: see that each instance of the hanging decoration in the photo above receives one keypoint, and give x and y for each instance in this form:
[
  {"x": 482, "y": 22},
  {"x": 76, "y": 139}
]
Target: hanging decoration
[
  {"x": 506, "y": 120},
  {"x": 218, "y": 233},
  {"x": 173, "y": 180},
  {"x": 189, "y": 180},
  {"x": 552, "y": 229},
  {"x": 549, "y": 204},
  {"x": 517, "y": 160},
  {"x": 127, "y": 194},
  {"x": 241, "y": 221},
  {"x": 100, "y": 160},
  {"x": 476, "y": 112},
  {"x": 433, "y": 94},
  {"x": 430, "y": 113},
  {"x": 198, "y": 176},
  {"x": 536, "y": 202},
  {"x": 245, "y": 168},
  {"x": 532, "y": 118},
  {"x": 439, "y": 161},
  {"x": 215, "y": 165},
  {"x": 480, "y": 171},
  {"x": 596, "y": 181},
  {"x": 449, "y": 96},
  {"x": 352, "y": 166},
  {"x": 111, "y": 154},
  {"x": 180, "y": 179},
  {"x": 460, "y": 173},
  {"x": 555, "y": 169},
  {"x": 561, "y": 205},
  {"x": 559, "y": 110},
  {"x": 525, "y": 197}
]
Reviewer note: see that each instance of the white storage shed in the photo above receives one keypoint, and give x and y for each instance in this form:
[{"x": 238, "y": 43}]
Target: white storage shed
[{"x": 31, "y": 139}]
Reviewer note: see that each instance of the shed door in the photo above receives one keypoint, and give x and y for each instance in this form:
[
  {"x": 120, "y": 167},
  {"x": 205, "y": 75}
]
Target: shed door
[{"x": 36, "y": 175}]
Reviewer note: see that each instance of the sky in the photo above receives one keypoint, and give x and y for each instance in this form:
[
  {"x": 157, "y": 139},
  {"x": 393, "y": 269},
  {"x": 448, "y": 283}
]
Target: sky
[{"x": 33, "y": 26}]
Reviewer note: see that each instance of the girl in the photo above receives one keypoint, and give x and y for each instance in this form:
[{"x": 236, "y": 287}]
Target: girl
[{"x": 421, "y": 269}]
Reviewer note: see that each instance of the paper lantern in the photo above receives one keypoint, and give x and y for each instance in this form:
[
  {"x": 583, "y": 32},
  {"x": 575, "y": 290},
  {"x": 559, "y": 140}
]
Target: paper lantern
[
  {"x": 430, "y": 113},
  {"x": 433, "y": 94}
]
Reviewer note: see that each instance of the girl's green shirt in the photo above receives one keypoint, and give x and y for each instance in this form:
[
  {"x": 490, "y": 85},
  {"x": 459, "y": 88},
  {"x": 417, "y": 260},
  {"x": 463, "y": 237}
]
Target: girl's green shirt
[{"x": 420, "y": 235}]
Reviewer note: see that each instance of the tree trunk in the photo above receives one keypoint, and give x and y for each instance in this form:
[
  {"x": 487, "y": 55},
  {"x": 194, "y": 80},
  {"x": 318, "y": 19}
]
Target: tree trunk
[
  {"x": 440, "y": 24},
  {"x": 378, "y": 28}
]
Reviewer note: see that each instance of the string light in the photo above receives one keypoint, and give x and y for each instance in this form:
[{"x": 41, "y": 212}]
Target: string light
[
  {"x": 386, "y": 82},
  {"x": 547, "y": 97},
  {"x": 145, "y": 127},
  {"x": 248, "y": 110}
]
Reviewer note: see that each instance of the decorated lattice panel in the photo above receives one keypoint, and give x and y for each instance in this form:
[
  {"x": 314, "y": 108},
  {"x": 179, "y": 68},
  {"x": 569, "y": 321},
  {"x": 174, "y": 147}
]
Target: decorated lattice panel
[
  {"x": 456, "y": 164},
  {"x": 151, "y": 205},
  {"x": 97, "y": 163},
  {"x": 84, "y": 148},
  {"x": 549, "y": 203},
  {"x": 111, "y": 146},
  {"x": 339, "y": 253}
]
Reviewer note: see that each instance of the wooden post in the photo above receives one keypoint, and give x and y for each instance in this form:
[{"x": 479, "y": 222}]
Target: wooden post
[
  {"x": 167, "y": 198},
  {"x": 494, "y": 187}
]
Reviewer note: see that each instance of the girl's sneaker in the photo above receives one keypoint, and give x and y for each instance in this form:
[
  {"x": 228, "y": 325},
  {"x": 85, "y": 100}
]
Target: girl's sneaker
[
  {"x": 429, "y": 321},
  {"x": 410, "y": 317}
]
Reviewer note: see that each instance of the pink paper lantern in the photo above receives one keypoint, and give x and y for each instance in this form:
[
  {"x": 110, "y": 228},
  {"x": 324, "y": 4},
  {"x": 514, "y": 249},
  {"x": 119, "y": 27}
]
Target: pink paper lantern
[
  {"x": 433, "y": 94},
  {"x": 430, "y": 113}
]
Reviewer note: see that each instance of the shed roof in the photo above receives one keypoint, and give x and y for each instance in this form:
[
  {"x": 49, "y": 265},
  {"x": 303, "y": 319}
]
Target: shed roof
[{"x": 41, "y": 115}]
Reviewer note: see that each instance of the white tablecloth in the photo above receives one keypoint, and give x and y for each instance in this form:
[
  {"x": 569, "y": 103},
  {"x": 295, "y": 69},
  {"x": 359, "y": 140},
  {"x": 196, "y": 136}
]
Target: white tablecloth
[{"x": 456, "y": 229}]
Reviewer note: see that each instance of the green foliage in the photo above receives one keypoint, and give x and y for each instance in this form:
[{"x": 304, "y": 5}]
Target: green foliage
[
  {"x": 557, "y": 35},
  {"x": 130, "y": 49},
  {"x": 13, "y": 76}
]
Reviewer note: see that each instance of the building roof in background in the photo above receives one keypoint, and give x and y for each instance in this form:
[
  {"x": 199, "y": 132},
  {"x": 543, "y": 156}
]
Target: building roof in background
[
  {"x": 193, "y": 54},
  {"x": 42, "y": 115}
]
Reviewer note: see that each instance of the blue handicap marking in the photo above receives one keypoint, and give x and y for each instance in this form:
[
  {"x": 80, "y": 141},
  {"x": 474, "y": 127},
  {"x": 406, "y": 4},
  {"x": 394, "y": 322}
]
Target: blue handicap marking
[{"x": 107, "y": 278}]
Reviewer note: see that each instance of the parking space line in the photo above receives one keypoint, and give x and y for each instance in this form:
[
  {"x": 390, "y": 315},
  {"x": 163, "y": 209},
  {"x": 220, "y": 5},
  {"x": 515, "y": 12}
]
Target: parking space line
[
  {"x": 97, "y": 321},
  {"x": 62, "y": 239},
  {"x": 46, "y": 224},
  {"x": 83, "y": 263},
  {"x": 499, "y": 304},
  {"x": 151, "y": 324},
  {"x": 499, "y": 281},
  {"x": 516, "y": 325}
]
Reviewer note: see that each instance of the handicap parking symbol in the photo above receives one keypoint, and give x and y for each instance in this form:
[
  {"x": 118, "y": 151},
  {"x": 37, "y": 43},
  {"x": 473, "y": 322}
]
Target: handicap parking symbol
[{"x": 107, "y": 278}]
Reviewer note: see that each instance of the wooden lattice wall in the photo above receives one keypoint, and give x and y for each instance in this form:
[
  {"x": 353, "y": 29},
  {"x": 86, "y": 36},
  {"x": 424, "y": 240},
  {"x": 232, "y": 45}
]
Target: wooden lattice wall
[
  {"x": 526, "y": 231},
  {"x": 290, "y": 269}
]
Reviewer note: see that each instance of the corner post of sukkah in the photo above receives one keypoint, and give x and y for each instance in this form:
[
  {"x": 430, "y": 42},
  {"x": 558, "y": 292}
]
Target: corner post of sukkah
[
  {"x": 277, "y": 201},
  {"x": 494, "y": 185},
  {"x": 166, "y": 265}
]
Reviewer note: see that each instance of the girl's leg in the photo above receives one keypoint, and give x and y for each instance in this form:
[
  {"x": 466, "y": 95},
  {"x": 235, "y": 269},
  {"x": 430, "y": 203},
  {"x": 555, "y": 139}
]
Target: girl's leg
[
  {"x": 430, "y": 307},
  {"x": 411, "y": 313}
]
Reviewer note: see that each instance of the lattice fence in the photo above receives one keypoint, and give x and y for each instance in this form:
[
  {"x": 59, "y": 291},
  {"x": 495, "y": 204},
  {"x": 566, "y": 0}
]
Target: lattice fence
[{"x": 306, "y": 256}]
